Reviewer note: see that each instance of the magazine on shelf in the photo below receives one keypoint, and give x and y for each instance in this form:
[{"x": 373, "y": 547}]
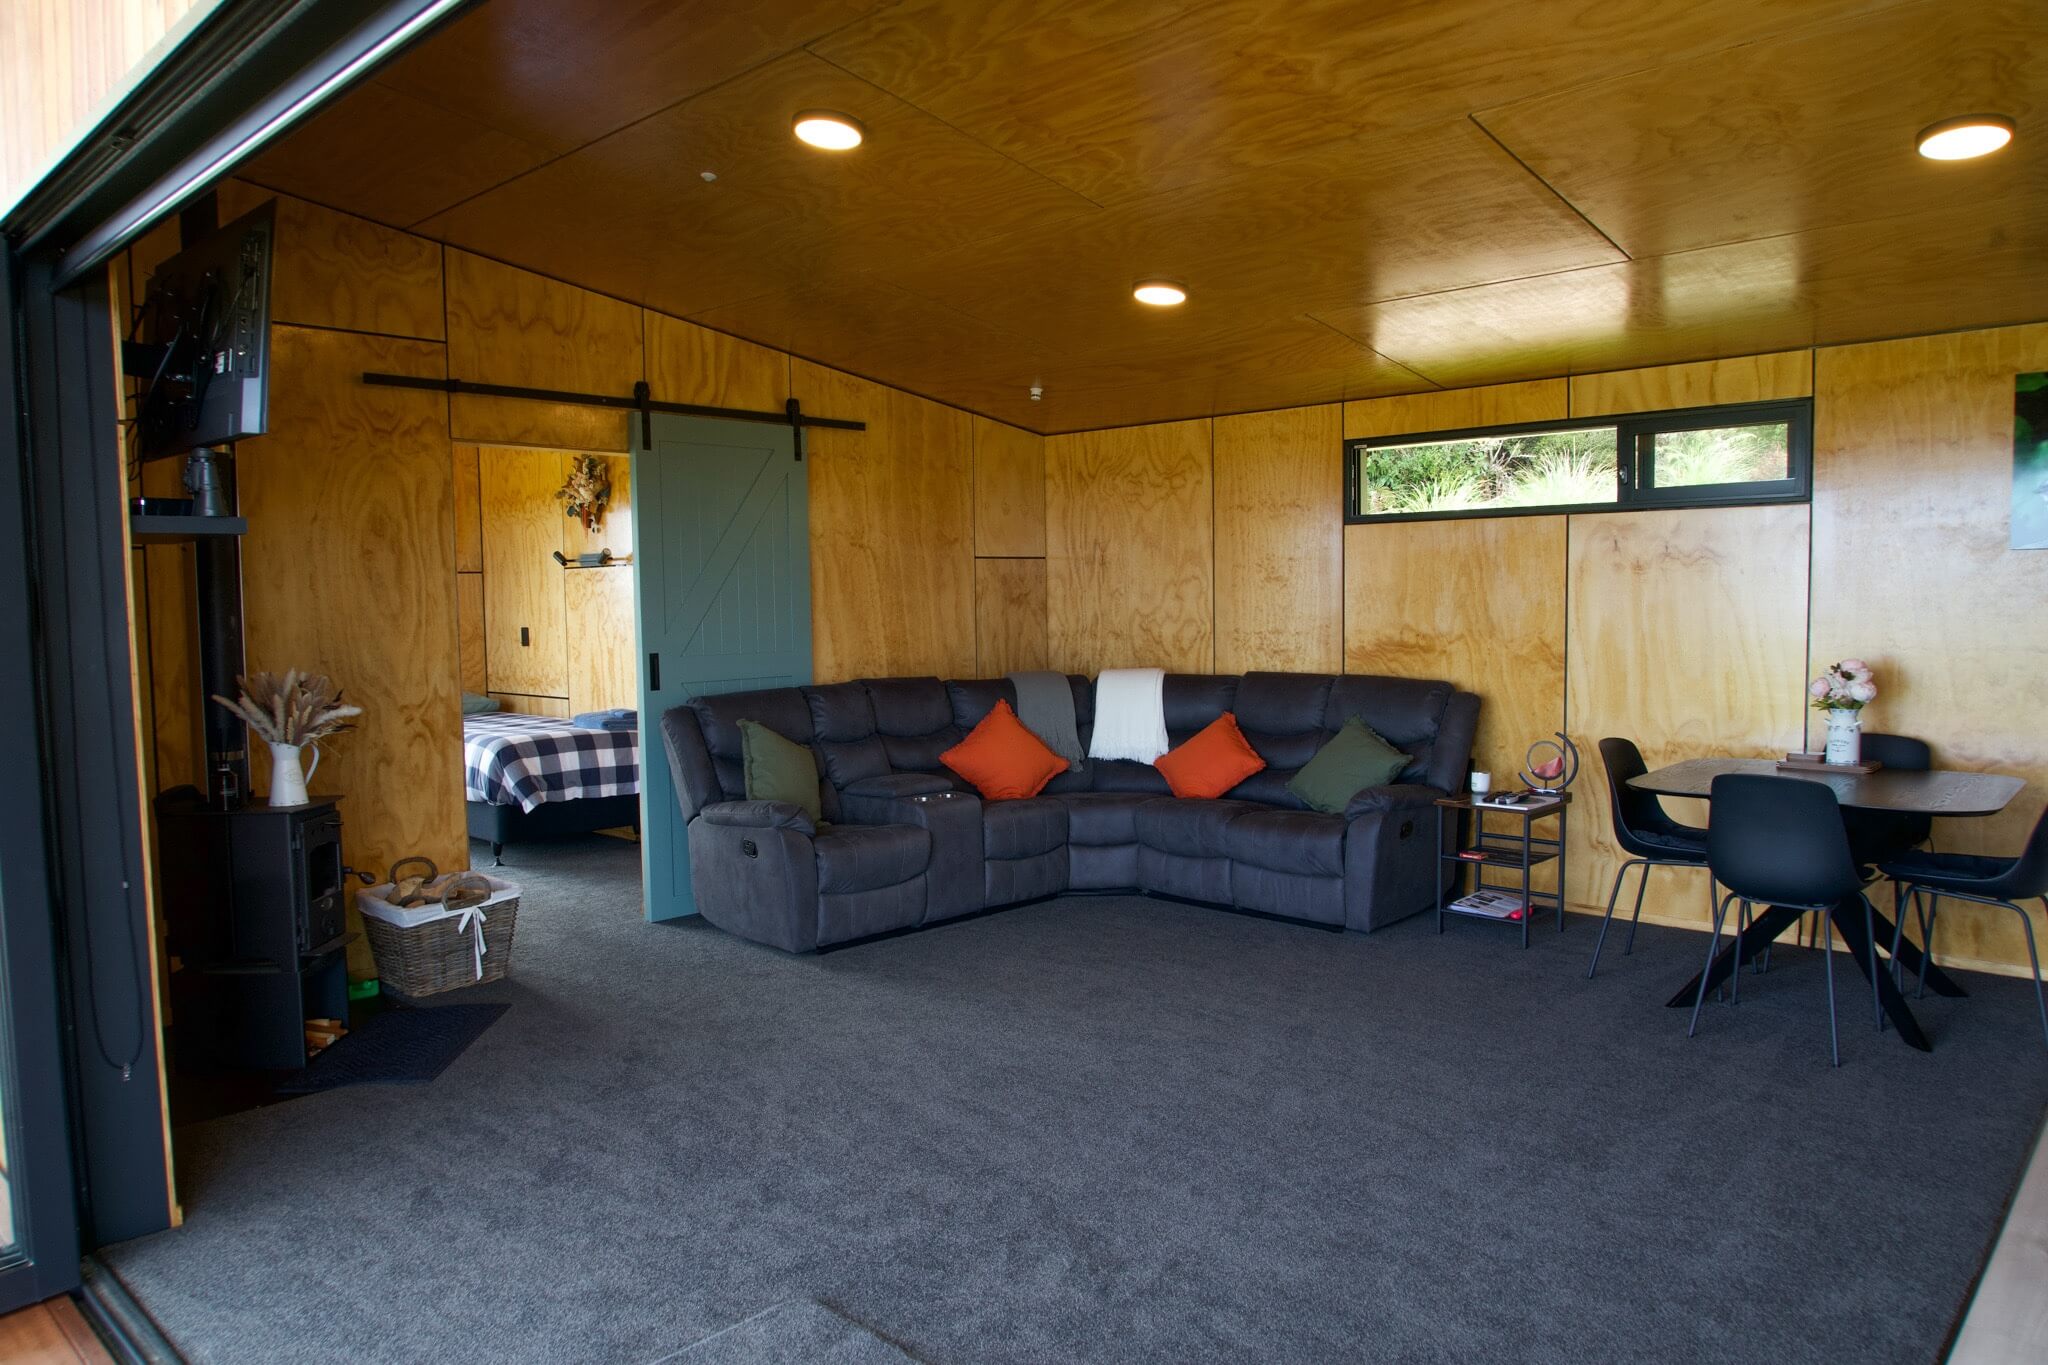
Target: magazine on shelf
[
  {"x": 1490, "y": 903},
  {"x": 1522, "y": 800}
]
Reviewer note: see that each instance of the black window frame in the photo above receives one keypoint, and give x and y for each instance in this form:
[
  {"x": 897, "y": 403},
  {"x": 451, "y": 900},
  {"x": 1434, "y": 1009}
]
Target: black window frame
[{"x": 1634, "y": 462}]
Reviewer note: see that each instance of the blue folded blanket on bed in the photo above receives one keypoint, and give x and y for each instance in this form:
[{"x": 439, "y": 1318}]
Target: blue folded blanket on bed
[{"x": 618, "y": 718}]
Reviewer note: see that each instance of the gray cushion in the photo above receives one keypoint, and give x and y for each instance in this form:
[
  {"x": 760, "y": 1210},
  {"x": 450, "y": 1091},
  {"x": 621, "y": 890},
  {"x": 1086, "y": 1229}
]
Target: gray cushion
[
  {"x": 1099, "y": 818},
  {"x": 864, "y": 857},
  {"x": 1193, "y": 828},
  {"x": 1300, "y": 841},
  {"x": 1022, "y": 829}
]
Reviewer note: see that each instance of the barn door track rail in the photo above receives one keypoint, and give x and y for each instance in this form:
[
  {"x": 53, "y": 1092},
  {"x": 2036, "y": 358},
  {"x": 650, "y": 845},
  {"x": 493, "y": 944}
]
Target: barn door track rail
[{"x": 641, "y": 400}]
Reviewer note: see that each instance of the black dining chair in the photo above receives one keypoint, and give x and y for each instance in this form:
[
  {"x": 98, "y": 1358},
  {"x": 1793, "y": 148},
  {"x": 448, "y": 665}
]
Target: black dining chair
[
  {"x": 1649, "y": 836},
  {"x": 1980, "y": 881},
  {"x": 1875, "y": 835},
  {"x": 1779, "y": 841}
]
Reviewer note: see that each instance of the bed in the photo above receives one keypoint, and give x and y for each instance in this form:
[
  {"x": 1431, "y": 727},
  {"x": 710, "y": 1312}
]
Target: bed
[{"x": 536, "y": 777}]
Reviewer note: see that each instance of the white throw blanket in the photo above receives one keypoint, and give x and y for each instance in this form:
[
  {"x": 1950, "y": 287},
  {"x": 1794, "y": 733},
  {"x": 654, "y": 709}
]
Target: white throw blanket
[{"x": 1130, "y": 714}]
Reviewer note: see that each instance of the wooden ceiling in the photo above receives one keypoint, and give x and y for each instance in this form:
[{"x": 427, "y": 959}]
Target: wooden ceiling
[{"x": 1362, "y": 199}]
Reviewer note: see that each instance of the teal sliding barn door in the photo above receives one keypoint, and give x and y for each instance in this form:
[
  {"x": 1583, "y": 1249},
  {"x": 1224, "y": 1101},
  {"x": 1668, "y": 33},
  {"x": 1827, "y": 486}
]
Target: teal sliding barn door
[{"x": 721, "y": 537}]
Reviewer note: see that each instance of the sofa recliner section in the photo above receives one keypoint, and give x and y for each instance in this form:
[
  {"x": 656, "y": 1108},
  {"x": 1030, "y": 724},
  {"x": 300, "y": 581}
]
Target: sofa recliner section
[{"x": 904, "y": 843}]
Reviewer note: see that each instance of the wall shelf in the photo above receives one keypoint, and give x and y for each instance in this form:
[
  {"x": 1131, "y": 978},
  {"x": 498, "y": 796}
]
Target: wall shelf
[{"x": 172, "y": 530}]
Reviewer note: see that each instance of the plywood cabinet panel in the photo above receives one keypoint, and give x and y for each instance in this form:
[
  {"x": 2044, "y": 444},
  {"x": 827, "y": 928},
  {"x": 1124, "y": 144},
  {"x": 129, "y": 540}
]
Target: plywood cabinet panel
[
  {"x": 1913, "y": 570},
  {"x": 1687, "y": 634},
  {"x": 1009, "y": 616},
  {"x": 1009, "y": 491},
  {"x": 1745, "y": 379},
  {"x": 1280, "y": 540},
  {"x": 510, "y": 326},
  {"x": 1478, "y": 602},
  {"x": 691, "y": 364},
  {"x": 527, "y": 705},
  {"x": 469, "y": 617},
  {"x": 349, "y": 569},
  {"x": 603, "y": 639},
  {"x": 336, "y": 270},
  {"x": 1129, "y": 549},
  {"x": 523, "y": 603},
  {"x": 1538, "y": 400},
  {"x": 892, "y": 532},
  {"x": 469, "y": 524}
]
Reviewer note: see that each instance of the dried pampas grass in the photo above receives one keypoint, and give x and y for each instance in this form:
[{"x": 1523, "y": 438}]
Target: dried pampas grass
[{"x": 296, "y": 709}]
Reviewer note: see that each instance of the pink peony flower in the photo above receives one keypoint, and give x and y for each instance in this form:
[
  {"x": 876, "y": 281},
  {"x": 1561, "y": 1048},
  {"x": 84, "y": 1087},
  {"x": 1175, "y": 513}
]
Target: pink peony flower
[
  {"x": 1819, "y": 687},
  {"x": 1863, "y": 690},
  {"x": 1853, "y": 666}
]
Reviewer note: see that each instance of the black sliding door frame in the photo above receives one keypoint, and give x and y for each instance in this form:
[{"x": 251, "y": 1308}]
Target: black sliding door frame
[
  {"x": 44, "y": 1258},
  {"x": 86, "y": 1111}
]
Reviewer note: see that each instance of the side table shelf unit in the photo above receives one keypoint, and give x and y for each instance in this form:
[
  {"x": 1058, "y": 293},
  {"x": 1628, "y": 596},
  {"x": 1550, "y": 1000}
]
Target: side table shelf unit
[{"x": 1519, "y": 850}]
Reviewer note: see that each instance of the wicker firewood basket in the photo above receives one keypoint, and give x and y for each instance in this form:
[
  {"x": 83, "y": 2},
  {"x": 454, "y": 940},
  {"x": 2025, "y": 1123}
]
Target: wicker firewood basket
[{"x": 428, "y": 949}]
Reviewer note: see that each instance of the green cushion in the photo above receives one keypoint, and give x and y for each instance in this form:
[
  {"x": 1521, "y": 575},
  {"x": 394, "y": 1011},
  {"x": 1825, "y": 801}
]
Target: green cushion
[
  {"x": 779, "y": 769},
  {"x": 474, "y": 705},
  {"x": 1354, "y": 759}
]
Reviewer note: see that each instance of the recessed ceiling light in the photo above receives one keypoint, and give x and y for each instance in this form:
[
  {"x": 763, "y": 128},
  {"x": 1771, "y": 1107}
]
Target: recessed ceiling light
[
  {"x": 1959, "y": 139},
  {"x": 1159, "y": 293},
  {"x": 828, "y": 131}
]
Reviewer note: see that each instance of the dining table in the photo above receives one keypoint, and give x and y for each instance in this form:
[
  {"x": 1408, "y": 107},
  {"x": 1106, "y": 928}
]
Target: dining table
[{"x": 1898, "y": 791}]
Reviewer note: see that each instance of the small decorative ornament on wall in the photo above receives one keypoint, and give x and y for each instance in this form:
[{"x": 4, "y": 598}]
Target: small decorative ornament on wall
[
  {"x": 2030, "y": 462},
  {"x": 587, "y": 491}
]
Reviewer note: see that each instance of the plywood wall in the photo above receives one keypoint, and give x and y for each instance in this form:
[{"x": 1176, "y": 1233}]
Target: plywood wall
[
  {"x": 948, "y": 544},
  {"x": 1913, "y": 570},
  {"x": 61, "y": 62},
  {"x": 348, "y": 570},
  {"x": 371, "y": 548},
  {"x": 1130, "y": 549},
  {"x": 1280, "y": 540},
  {"x": 892, "y": 531}
]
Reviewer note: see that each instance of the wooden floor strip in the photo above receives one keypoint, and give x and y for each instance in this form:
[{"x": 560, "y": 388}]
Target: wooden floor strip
[
  {"x": 53, "y": 1332},
  {"x": 2008, "y": 1320}
]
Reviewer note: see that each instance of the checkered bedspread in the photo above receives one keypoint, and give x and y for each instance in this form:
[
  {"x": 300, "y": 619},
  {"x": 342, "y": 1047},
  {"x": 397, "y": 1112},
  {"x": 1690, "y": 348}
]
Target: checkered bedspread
[{"x": 515, "y": 760}]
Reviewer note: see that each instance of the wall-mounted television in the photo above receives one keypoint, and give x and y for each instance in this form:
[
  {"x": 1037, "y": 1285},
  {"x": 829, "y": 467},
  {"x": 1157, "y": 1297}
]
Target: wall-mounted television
[{"x": 202, "y": 342}]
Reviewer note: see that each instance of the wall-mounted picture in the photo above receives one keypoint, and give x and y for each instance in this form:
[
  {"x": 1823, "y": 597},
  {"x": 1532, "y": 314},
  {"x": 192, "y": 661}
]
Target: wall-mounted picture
[{"x": 2030, "y": 462}]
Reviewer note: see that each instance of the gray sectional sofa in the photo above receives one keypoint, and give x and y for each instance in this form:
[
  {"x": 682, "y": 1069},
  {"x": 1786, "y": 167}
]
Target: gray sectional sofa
[{"x": 905, "y": 843}]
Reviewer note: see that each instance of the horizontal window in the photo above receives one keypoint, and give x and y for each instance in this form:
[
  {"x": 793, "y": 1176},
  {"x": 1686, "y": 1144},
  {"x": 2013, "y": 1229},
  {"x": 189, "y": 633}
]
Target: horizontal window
[{"x": 1757, "y": 452}]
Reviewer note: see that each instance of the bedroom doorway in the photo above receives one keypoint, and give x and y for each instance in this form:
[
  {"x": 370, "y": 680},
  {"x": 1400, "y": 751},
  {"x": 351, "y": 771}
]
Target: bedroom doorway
[{"x": 721, "y": 515}]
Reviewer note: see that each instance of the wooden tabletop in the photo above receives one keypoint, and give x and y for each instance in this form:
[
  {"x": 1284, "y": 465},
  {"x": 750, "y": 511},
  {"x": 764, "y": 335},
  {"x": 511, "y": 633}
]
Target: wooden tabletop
[{"x": 1919, "y": 793}]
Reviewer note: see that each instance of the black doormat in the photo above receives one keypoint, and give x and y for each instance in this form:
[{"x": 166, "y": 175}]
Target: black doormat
[{"x": 396, "y": 1047}]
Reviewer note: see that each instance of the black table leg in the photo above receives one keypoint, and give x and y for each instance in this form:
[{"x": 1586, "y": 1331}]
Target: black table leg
[
  {"x": 1848, "y": 920},
  {"x": 1938, "y": 981},
  {"x": 1849, "y": 923},
  {"x": 1762, "y": 930}
]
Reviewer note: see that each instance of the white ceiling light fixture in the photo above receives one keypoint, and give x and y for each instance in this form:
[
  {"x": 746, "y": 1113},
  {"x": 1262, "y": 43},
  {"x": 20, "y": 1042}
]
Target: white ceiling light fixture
[
  {"x": 1160, "y": 293},
  {"x": 1960, "y": 139},
  {"x": 828, "y": 131}
]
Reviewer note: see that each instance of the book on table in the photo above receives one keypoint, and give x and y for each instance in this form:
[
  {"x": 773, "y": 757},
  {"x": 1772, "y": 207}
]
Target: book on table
[{"x": 1492, "y": 903}]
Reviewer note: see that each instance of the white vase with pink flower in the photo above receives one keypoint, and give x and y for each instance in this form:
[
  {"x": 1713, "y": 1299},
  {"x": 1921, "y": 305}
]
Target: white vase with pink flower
[{"x": 1840, "y": 694}]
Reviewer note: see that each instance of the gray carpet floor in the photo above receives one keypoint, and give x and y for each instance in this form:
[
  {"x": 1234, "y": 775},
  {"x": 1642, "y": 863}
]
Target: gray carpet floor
[{"x": 1115, "y": 1129}]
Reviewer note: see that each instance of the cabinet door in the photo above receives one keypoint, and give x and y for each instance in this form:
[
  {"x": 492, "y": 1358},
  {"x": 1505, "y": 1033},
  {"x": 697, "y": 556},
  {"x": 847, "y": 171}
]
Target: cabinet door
[{"x": 524, "y": 616}]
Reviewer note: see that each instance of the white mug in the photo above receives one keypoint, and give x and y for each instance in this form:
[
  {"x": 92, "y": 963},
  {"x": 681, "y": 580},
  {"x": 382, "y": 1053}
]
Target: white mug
[{"x": 1482, "y": 783}]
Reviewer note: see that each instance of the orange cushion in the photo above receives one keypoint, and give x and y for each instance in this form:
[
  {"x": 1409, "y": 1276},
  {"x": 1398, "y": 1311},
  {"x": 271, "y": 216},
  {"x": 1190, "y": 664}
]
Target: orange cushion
[
  {"x": 1212, "y": 762},
  {"x": 1004, "y": 761}
]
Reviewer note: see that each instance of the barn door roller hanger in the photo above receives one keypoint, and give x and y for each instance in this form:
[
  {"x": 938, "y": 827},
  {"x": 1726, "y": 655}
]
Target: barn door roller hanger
[{"x": 641, "y": 400}]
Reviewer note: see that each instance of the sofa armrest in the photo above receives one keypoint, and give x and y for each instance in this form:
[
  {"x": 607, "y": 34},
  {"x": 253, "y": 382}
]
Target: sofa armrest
[
  {"x": 1397, "y": 796},
  {"x": 891, "y": 785},
  {"x": 953, "y": 883},
  {"x": 759, "y": 815}
]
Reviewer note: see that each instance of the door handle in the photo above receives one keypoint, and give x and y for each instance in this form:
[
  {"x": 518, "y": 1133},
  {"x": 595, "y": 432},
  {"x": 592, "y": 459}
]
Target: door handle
[
  {"x": 654, "y": 673},
  {"x": 525, "y": 636}
]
